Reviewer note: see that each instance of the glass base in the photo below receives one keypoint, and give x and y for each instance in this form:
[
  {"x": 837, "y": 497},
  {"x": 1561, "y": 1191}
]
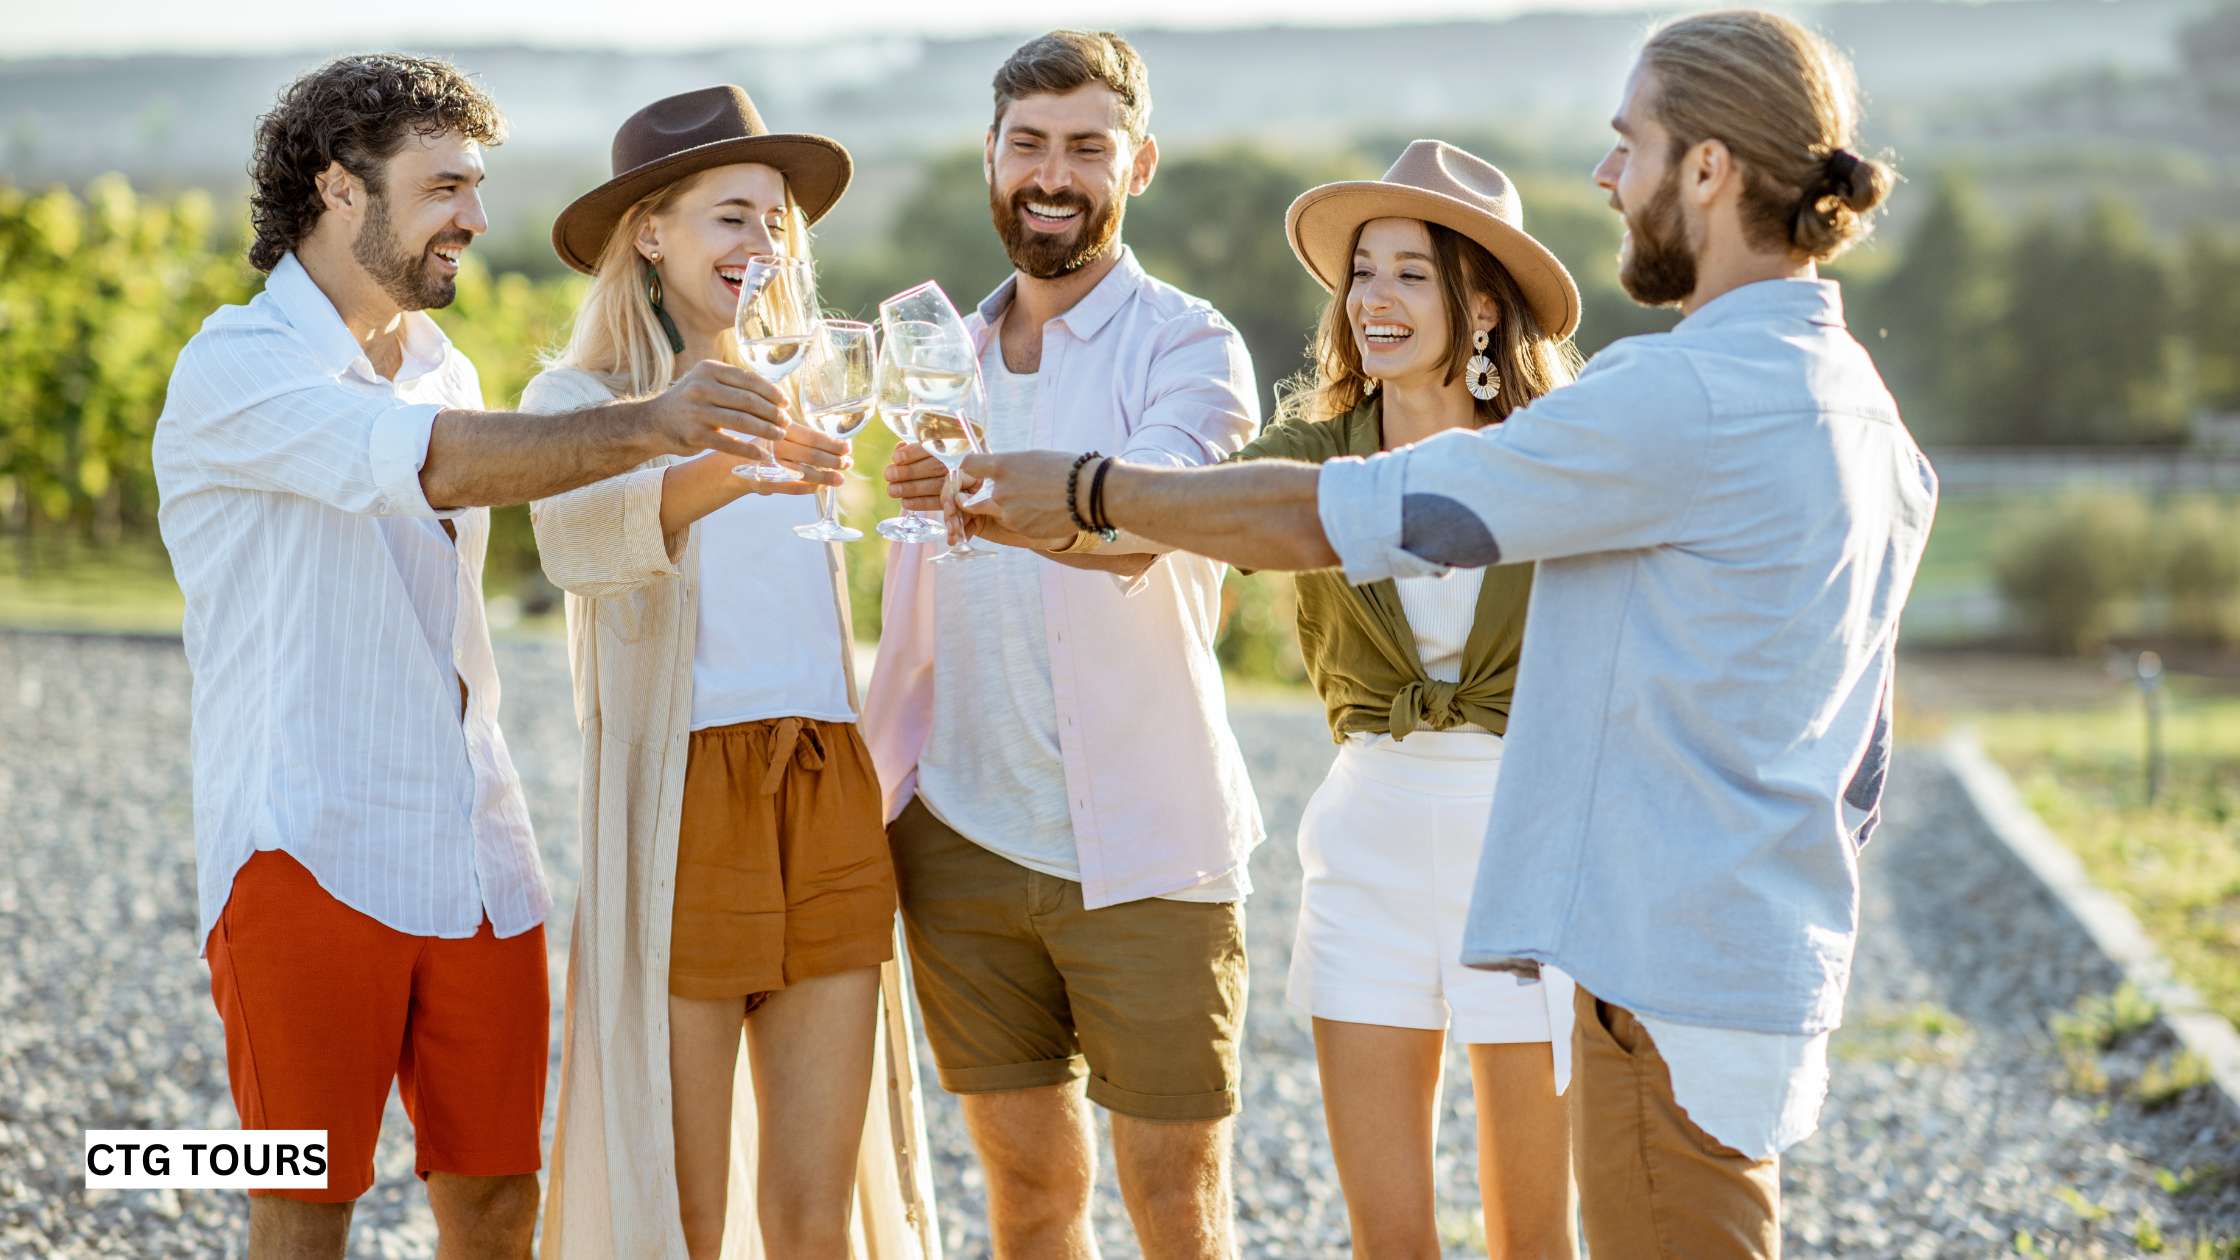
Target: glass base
[
  {"x": 957, "y": 555},
  {"x": 910, "y": 529},
  {"x": 827, "y": 531},
  {"x": 765, "y": 472}
]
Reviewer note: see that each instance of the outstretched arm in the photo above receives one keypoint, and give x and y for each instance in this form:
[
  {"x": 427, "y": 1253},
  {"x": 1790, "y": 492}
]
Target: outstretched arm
[
  {"x": 1260, "y": 515},
  {"x": 488, "y": 458}
]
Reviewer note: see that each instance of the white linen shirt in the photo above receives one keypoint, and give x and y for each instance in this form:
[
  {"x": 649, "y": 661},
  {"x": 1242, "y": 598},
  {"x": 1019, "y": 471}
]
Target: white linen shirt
[{"x": 330, "y": 620}]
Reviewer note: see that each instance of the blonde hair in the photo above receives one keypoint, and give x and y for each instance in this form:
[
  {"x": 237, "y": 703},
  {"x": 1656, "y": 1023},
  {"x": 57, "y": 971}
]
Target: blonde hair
[
  {"x": 1531, "y": 362},
  {"x": 1785, "y": 102},
  {"x": 616, "y": 337}
]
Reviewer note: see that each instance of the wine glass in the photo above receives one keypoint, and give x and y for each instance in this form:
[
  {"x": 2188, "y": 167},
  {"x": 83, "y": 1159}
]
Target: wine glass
[
  {"x": 775, "y": 323},
  {"x": 893, "y": 398},
  {"x": 837, "y": 387},
  {"x": 949, "y": 421},
  {"x": 935, "y": 356}
]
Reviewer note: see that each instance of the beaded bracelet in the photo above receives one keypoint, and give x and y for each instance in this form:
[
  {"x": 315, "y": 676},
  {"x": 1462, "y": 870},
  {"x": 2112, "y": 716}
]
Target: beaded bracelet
[
  {"x": 1073, "y": 497},
  {"x": 1098, "y": 521}
]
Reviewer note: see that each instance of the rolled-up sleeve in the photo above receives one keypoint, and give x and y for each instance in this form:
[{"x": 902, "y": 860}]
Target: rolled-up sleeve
[
  {"x": 1359, "y": 501},
  {"x": 304, "y": 432},
  {"x": 1612, "y": 462}
]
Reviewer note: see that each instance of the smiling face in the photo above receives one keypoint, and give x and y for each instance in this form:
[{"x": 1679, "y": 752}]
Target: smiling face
[
  {"x": 1060, "y": 170},
  {"x": 1657, "y": 262},
  {"x": 426, "y": 212},
  {"x": 1396, "y": 303},
  {"x": 705, "y": 233}
]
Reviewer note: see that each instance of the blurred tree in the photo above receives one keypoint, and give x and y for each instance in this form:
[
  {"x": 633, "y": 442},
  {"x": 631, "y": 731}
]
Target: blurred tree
[
  {"x": 2212, "y": 316},
  {"x": 1934, "y": 322},
  {"x": 2099, "y": 357}
]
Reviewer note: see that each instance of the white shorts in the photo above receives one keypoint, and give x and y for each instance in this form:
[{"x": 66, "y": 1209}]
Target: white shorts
[{"x": 1389, "y": 846}]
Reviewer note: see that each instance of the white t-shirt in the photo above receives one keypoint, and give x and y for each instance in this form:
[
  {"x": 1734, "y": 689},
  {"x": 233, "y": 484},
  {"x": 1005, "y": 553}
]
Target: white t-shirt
[
  {"x": 991, "y": 769},
  {"x": 769, "y": 629}
]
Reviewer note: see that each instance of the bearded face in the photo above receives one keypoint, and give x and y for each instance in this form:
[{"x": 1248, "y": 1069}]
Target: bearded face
[
  {"x": 417, "y": 277},
  {"x": 1658, "y": 264},
  {"x": 1049, "y": 235}
]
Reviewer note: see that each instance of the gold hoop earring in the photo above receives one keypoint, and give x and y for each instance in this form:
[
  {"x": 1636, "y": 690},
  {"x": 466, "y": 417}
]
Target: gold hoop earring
[{"x": 1483, "y": 379}]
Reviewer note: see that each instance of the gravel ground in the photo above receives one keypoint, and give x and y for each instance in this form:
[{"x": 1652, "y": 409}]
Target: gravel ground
[{"x": 1955, "y": 1128}]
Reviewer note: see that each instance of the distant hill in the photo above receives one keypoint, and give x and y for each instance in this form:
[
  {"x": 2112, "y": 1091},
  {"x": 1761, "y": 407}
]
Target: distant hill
[{"x": 1942, "y": 76}]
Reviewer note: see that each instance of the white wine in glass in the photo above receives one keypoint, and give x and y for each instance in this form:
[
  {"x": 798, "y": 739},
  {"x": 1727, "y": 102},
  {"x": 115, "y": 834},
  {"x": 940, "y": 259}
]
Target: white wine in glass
[
  {"x": 892, "y": 396},
  {"x": 775, "y": 324},
  {"x": 949, "y": 434},
  {"x": 838, "y": 386}
]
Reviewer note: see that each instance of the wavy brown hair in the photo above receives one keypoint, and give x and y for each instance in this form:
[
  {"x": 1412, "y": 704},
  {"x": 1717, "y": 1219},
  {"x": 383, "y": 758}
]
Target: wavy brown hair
[
  {"x": 356, "y": 111},
  {"x": 1530, "y": 361}
]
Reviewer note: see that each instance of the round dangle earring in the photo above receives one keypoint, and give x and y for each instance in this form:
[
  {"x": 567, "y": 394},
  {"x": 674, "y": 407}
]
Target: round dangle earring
[
  {"x": 1370, "y": 390},
  {"x": 1483, "y": 379}
]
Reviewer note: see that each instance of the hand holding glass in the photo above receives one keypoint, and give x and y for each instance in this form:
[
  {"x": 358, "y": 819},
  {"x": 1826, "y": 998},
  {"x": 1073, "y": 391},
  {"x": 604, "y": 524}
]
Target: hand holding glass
[{"x": 949, "y": 421}]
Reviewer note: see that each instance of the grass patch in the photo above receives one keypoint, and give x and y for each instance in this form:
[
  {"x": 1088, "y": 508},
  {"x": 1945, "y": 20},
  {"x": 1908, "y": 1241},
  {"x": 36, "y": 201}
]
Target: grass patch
[
  {"x": 2168, "y": 1079},
  {"x": 2095, "y": 1023},
  {"x": 2098, "y": 1022},
  {"x": 2176, "y": 862},
  {"x": 113, "y": 590},
  {"x": 1923, "y": 1033},
  {"x": 1958, "y": 557}
]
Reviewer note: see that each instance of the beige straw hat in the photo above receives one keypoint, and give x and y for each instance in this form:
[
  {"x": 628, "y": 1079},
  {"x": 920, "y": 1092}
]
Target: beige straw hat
[{"x": 1437, "y": 183}]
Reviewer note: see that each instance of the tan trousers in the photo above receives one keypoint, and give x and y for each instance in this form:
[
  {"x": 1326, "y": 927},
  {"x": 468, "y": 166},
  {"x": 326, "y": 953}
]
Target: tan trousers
[{"x": 1652, "y": 1184}]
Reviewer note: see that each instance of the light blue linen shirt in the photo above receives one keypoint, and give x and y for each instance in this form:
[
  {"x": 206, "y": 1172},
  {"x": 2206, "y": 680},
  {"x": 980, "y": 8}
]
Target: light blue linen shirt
[{"x": 1727, "y": 518}]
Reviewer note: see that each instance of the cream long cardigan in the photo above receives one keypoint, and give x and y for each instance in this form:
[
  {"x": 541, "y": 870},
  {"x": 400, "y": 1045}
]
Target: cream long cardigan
[{"x": 612, "y": 1188}]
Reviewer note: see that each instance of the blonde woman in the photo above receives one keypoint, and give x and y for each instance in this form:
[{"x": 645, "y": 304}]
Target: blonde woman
[{"x": 736, "y": 885}]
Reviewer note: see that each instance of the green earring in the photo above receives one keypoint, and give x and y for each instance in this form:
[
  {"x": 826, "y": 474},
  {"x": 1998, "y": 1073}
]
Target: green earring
[{"x": 653, "y": 295}]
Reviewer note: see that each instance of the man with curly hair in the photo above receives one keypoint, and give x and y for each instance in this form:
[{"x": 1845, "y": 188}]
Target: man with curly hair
[{"x": 371, "y": 901}]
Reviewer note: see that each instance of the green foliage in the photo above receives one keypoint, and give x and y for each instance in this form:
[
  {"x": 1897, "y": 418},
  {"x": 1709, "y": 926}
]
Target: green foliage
[
  {"x": 1935, "y": 322},
  {"x": 2098, "y": 351},
  {"x": 2175, "y": 862},
  {"x": 2212, "y": 310},
  {"x": 96, "y": 297},
  {"x": 2200, "y": 569},
  {"x": 2070, "y": 568}
]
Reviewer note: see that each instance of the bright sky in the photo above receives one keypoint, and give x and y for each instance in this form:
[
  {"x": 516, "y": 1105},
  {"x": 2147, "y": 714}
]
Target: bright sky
[{"x": 122, "y": 26}]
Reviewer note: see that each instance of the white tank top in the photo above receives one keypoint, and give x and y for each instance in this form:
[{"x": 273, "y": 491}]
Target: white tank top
[{"x": 1441, "y": 611}]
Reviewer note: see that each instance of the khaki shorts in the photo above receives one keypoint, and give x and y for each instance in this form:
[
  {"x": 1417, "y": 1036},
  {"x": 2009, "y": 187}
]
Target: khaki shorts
[
  {"x": 1020, "y": 987},
  {"x": 782, "y": 869}
]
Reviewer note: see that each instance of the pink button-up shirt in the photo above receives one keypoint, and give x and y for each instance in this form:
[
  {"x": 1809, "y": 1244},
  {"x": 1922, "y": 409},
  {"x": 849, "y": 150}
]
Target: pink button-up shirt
[{"x": 1157, "y": 788}]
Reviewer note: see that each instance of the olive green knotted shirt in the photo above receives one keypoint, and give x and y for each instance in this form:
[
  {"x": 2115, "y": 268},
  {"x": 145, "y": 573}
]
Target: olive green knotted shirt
[{"x": 1359, "y": 650}]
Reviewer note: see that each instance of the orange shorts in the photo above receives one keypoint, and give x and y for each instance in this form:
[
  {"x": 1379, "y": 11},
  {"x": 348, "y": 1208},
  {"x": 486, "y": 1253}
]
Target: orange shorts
[{"x": 325, "y": 1006}]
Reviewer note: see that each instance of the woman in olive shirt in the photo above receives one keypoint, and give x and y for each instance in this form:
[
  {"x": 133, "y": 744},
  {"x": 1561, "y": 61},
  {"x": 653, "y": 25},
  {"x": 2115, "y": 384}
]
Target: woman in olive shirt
[{"x": 1444, "y": 315}]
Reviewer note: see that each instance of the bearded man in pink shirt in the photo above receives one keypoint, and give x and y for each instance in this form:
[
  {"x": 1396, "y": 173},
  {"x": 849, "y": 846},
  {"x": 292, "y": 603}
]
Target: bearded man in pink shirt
[{"x": 1070, "y": 815}]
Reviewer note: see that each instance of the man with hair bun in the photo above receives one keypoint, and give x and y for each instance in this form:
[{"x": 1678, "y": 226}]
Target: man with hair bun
[{"x": 1726, "y": 518}]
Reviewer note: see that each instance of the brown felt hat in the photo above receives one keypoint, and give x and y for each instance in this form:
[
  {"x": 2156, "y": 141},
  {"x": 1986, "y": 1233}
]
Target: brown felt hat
[
  {"x": 683, "y": 135},
  {"x": 1437, "y": 183}
]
